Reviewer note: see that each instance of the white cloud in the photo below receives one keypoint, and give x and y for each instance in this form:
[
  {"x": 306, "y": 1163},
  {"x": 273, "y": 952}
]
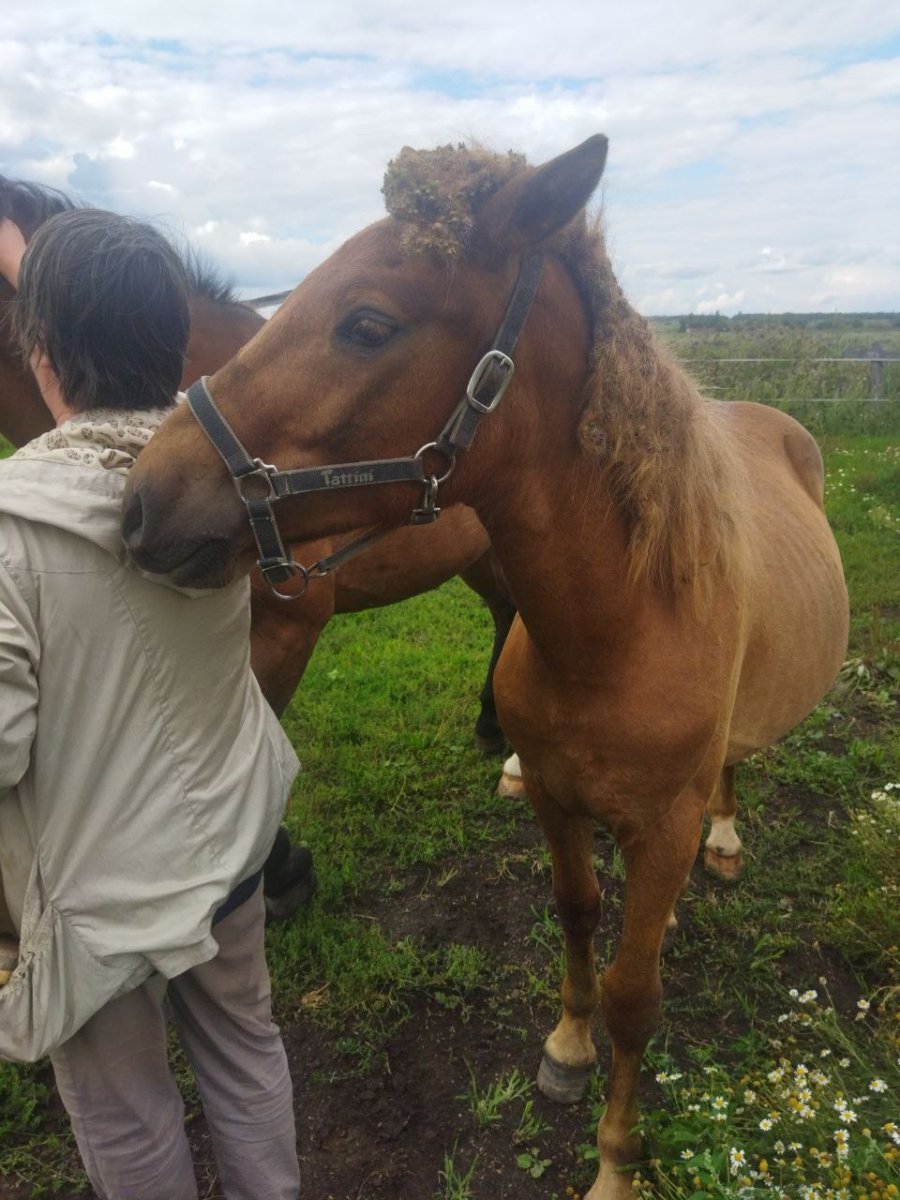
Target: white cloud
[{"x": 264, "y": 136}]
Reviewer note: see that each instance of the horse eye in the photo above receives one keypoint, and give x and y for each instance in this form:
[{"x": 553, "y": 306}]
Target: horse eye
[{"x": 368, "y": 330}]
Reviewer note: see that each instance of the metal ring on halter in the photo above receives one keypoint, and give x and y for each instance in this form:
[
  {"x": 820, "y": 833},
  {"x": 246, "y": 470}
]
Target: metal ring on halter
[
  {"x": 451, "y": 460},
  {"x": 294, "y": 568}
]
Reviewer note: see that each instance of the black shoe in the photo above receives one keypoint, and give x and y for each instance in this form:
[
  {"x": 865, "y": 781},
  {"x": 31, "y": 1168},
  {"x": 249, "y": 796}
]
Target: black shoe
[{"x": 289, "y": 885}]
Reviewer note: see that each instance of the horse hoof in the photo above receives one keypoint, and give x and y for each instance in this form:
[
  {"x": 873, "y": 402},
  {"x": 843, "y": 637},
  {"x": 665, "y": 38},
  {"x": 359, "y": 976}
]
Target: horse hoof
[
  {"x": 511, "y": 786},
  {"x": 727, "y": 867},
  {"x": 491, "y": 745},
  {"x": 563, "y": 1084}
]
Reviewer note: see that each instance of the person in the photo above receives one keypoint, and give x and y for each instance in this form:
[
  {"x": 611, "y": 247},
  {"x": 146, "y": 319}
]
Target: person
[{"x": 142, "y": 774}]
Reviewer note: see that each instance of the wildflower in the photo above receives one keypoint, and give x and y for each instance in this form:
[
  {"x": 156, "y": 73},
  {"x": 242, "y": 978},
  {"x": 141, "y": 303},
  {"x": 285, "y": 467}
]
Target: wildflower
[
  {"x": 793, "y": 993},
  {"x": 687, "y": 1154},
  {"x": 808, "y": 997},
  {"x": 877, "y": 1085},
  {"x": 766, "y": 1124},
  {"x": 776, "y": 1076},
  {"x": 737, "y": 1158},
  {"x": 779, "y": 1147},
  {"x": 750, "y": 1096},
  {"x": 845, "y": 1062},
  {"x": 863, "y": 1005},
  {"x": 719, "y": 1103},
  {"x": 825, "y": 1054},
  {"x": 848, "y": 1116}
]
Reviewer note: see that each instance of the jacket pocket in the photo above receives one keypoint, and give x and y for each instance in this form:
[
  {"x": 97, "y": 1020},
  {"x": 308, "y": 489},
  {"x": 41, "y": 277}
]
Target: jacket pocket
[{"x": 58, "y": 983}]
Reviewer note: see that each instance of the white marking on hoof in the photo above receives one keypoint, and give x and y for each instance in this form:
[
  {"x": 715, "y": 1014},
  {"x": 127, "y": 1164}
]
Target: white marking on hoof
[
  {"x": 513, "y": 767},
  {"x": 511, "y": 784},
  {"x": 722, "y": 840}
]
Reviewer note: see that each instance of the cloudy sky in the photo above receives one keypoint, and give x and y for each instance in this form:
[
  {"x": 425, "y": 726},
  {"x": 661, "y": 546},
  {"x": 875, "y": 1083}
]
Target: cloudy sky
[{"x": 754, "y": 147}]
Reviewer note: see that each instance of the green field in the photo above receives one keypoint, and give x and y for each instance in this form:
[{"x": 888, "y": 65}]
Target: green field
[{"x": 434, "y": 927}]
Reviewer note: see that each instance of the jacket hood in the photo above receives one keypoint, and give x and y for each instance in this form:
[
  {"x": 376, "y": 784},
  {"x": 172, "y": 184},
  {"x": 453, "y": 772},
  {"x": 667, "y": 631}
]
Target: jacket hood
[{"x": 83, "y": 500}]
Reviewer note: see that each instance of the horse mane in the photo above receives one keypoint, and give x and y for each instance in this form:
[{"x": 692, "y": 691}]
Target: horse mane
[
  {"x": 671, "y": 473},
  {"x": 205, "y": 279},
  {"x": 31, "y": 204}
]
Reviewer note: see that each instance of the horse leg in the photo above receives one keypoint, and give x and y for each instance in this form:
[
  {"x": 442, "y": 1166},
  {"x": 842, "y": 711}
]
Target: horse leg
[
  {"x": 483, "y": 578},
  {"x": 282, "y": 638},
  {"x": 657, "y": 865},
  {"x": 569, "y": 1053},
  {"x": 722, "y": 853}
]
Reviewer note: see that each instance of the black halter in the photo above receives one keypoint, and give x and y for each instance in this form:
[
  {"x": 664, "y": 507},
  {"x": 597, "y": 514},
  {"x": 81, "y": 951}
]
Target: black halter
[{"x": 260, "y": 485}]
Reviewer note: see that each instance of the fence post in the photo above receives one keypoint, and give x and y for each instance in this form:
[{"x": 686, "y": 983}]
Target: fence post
[{"x": 876, "y": 369}]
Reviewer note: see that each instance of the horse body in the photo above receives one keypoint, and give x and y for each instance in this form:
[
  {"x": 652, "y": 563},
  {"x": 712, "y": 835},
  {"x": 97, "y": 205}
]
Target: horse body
[{"x": 680, "y": 596}]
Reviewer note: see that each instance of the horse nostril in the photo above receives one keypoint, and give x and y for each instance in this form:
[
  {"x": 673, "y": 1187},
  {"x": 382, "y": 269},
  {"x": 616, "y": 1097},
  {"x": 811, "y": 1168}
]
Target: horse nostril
[{"x": 133, "y": 521}]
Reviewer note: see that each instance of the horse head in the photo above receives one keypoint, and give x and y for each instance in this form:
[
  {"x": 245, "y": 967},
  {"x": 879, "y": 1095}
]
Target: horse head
[{"x": 368, "y": 357}]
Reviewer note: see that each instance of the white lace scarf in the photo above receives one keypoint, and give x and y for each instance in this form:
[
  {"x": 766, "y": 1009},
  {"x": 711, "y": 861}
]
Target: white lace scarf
[{"x": 109, "y": 438}]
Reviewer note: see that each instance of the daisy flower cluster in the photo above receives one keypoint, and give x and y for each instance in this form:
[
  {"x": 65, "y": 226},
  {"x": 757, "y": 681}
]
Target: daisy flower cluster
[{"x": 814, "y": 1122}]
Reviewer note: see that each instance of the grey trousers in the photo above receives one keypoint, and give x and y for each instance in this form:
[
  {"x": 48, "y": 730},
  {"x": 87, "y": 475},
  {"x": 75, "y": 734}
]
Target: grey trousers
[{"x": 126, "y": 1111}]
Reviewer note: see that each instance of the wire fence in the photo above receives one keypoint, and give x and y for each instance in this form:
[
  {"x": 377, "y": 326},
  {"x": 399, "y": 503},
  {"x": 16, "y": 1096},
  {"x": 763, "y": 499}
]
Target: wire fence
[{"x": 875, "y": 362}]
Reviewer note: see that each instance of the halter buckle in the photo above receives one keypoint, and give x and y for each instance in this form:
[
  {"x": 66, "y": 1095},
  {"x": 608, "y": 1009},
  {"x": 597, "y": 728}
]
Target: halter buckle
[
  {"x": 262, "y": 473},
  {"x": 493, "y": 358}
]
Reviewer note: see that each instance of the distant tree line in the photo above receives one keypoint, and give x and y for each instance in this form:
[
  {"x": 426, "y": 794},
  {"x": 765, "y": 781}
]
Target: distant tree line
[{"x": 748, "y": 322}]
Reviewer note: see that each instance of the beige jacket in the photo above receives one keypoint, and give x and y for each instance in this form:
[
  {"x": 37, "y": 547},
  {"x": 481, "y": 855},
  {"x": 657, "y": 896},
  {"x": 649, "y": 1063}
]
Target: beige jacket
[{"x": 142, "y": 775}]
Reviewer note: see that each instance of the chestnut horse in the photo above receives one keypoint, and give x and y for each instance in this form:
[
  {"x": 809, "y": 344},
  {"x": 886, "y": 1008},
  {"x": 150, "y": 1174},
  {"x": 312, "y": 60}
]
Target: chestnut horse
[
  {"x": 680, "y": 595},
  {"x": 283, "y": 635}
]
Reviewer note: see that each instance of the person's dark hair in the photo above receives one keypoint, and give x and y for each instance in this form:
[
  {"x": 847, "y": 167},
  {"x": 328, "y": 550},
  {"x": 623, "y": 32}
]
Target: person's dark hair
[{"x": 105, "y": 299}]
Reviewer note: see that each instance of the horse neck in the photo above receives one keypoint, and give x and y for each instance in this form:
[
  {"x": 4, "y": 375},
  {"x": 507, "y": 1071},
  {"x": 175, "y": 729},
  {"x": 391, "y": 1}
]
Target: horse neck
[
  {"x": 544, "y": 501},
  {"x": 219, "y": 328},
  {"x": 589, "y": 486}
]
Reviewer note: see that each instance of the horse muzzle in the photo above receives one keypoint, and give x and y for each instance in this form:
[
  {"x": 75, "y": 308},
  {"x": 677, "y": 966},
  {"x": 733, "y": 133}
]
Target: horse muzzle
[{"x": 160, "y": 542}]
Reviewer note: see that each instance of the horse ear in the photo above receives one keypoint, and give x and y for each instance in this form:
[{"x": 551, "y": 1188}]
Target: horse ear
[{"x": 534, "y": 206}]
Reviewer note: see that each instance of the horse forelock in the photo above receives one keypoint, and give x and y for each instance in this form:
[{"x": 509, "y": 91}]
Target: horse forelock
[{"x": 436, "y": 194}]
